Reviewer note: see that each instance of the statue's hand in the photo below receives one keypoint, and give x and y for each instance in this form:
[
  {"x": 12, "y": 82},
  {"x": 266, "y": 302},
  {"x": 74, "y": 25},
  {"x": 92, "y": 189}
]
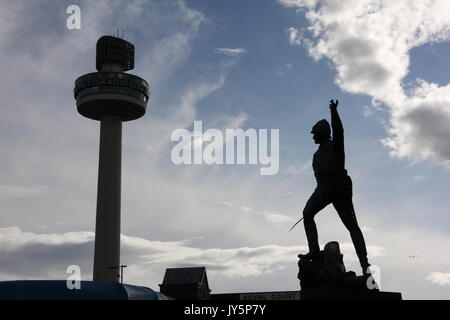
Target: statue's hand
[{"x": 334, "y": 105}]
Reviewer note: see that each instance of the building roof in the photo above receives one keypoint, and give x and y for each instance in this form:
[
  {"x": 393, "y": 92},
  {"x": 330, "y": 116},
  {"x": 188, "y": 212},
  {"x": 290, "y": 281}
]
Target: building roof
[
  {"x": 89, "y": 290},
  {"x": 185, "y": 276}
]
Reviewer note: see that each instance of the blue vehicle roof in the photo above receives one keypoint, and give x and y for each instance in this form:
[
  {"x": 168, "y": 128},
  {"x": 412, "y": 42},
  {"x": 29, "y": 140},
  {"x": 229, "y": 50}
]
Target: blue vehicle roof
[{"x": 89, "y": 290}]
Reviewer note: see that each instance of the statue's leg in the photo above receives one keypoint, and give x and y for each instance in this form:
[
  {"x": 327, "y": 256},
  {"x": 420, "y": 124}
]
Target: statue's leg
[
  {"x": 316, "y": 202},
  {"x": 346, "y": 211}
]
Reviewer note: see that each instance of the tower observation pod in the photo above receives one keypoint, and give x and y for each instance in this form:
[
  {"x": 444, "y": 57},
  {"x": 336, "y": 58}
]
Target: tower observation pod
[{"x": 110, "y": 96}]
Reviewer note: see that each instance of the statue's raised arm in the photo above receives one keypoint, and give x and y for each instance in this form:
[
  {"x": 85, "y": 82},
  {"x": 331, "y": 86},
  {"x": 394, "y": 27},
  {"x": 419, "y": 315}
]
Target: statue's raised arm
[
  {"x": 334, "y": 104},
  {"x": 338, "y": 135},
  {"x": 336, "y": 123}
]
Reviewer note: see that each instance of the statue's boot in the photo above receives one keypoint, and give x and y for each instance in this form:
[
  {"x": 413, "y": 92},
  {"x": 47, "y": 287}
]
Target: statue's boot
[
  {"x": 312, "y": 255},
  {"x": 365, "y": 269}
]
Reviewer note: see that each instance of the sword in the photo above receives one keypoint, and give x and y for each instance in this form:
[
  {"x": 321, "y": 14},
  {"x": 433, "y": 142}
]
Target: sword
[{"x": 296, "y": 224}]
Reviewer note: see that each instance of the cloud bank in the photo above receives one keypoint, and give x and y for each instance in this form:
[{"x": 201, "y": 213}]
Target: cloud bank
[
  {"x": 441, "y": 278},
  {"x": 369, "y": 44},
  {"x": 28, "y": 255}
]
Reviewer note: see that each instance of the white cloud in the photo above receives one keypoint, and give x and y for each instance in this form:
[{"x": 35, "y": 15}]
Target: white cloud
[
  {"x": 294, "y": 36},
  {"x": 12, "y": 238},
  {"x": 232, "y": 52},
  {"x": 140, "y": 253},
  {"x": 234, "y": 262},
  {"x": 245, "y": 208},
  {"x": 440, "y": 278},
  {"x": 273, "y": 218},
  {"x": 185, "y": 115},
  {"x": 369, "y": 44},
  {"x": 14, "y": 191},
  {"x": 279, "y": 220},
  {"x": 224, "y": 121},
  {"x": 367, "y": 111},
  {"x": 419, "y": 128},
  {"x": 298, "y": 3}
]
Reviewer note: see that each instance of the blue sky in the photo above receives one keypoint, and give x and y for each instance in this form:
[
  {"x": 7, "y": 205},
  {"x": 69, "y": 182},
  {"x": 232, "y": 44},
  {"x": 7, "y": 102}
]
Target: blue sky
[{"x": 271, "y": 64}]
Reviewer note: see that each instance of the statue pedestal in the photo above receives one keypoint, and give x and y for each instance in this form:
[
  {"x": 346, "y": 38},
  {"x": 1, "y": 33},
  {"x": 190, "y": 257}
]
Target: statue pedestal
[{"x": 325, "y": 278}]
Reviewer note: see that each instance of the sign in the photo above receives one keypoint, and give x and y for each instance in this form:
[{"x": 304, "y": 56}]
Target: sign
[
  {"x": 282, "y": 295},
  {"x": 109, "y": 80}
]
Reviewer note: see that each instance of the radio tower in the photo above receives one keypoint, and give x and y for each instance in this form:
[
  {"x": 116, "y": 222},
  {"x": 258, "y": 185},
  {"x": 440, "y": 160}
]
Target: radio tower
[{"x": 110, "y": 96}]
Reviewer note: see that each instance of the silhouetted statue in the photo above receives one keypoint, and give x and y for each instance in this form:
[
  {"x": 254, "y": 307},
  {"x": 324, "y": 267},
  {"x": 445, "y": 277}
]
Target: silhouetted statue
[{"x": 334, "y": 186}]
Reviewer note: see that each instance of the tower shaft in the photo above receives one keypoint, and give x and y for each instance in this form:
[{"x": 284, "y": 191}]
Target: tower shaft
[{"x": 107, "y": 226}]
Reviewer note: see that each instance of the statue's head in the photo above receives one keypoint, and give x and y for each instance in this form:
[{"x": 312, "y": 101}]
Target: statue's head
[{"x": 321, "y": 131}]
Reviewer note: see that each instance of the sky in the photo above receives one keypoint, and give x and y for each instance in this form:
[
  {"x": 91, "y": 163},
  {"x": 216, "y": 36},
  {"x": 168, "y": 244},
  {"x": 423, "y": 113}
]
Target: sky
[{"x": 252, "y": 64}]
